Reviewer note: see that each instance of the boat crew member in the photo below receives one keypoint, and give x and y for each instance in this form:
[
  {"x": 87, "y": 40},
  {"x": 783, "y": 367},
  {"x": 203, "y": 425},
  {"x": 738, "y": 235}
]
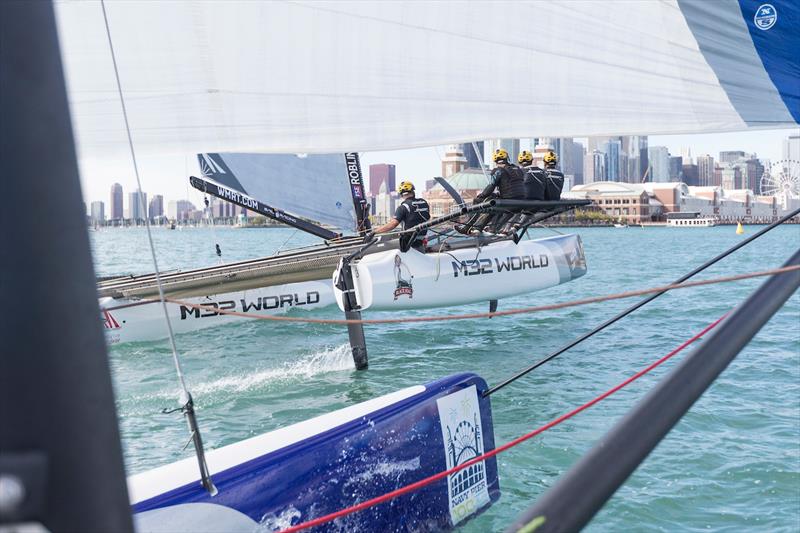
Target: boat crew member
[
  {"x": 412, "y": 212},
  {"x": 535, "y": 178},
  {"x": 555, "y": 178},
  {"x": 508, "y": 180}
]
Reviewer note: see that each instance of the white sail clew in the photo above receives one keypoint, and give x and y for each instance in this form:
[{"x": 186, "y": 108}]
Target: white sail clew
[{"x": 328, "y": 77}]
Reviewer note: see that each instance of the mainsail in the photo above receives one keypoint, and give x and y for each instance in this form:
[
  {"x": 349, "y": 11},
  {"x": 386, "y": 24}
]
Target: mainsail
[
  {"x": 328, "y": 77},
  {"x": 320, "y": 188}
]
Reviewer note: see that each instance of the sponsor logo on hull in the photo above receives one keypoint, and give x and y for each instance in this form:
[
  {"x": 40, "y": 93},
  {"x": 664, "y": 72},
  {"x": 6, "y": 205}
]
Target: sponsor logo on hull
[
  {"x": 476, "y": 267},
  {"x": 467, "y": 489},
  {"x": 262, "y": 303},
  {"x": 403, "y": 286}
]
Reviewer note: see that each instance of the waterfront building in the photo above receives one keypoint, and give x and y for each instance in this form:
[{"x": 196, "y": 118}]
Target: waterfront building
[
  {"x": 453, "y": 160},
  {"x": 705, "y": 170},
  {"x": 753, "y": 170},
  {"x": 137, "y": 205},
  {"x": 98, "y": 215},
  {"x": 730, "y": 156},
  {"x": 379, "y": 174},
  {"x": 469, "y": 183},
  {"x": 473, "y": 161},
  {"x": 659, "y": 164},
  {"x": 115, "y": 203},
  {"x": 156, "y": 208},
  {"x": 385, "y": 205},
  {"x": 650, "y": 202}
]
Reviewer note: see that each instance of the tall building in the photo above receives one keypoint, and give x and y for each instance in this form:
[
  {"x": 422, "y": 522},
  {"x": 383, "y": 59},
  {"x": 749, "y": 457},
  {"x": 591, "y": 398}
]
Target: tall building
[
  {"x": 578, "y": 155},
  {"x": 570, "y": 159},
  {"x": 179, "y": 210},
  {"x": 730, "y": 156},
  {"x": 594, "y": 167},
  {"x": 753, "y": 170},
  {"x": 731, "y": 177},
  {"x": 115, "y": 205},
  {"x": 705, "y": 170},
  {"x": 379, "y": 174},
  {"x": 453, "y": 161},
  {"x": 791, "y": 148},
  {"x": 472, "y": 158},
  {"x": 98, "y": 212},
  {"x": 659, "y": 164},
  {"x": 611, "y": 149},
  {"x": 156, "y": 207},
  {"x": 137, "y": 205},
  {"x": 690, "y": 175},
  {"x": 676, "y": 168},
  {"x": 509, "y": 145}
]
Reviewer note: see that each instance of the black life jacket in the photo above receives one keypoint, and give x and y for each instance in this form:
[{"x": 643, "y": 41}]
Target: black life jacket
[
  {"x": 510, "y": 182},
  {"x": 535, "y": 183},
  {"x": 418, "y": 212},
  {"x": 555, "y": 183}
]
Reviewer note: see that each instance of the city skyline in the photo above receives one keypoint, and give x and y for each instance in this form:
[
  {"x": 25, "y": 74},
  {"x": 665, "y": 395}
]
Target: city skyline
[{"x": 168, "y": 175}]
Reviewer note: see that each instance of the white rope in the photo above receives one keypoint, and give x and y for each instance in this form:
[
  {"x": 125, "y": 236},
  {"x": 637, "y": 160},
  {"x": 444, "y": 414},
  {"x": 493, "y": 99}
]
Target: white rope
[{"x": 184, "y": 397}]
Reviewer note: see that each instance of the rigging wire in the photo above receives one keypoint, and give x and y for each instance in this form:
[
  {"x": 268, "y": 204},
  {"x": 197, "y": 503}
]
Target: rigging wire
[
  {"x": 210, "y": 213},
  {"x": 185, "y": 398},
  {"x": 519, "y": 440},
  {"x": 637, "y": 305},
  {"x": 470, "y": 316}
]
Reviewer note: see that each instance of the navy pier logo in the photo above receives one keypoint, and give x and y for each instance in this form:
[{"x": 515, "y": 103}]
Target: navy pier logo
[
  {"x": 403, "y": 285},
  {"x": 765, "y": 17}
]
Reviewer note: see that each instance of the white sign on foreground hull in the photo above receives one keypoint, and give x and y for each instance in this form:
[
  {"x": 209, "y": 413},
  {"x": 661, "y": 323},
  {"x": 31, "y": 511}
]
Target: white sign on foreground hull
[{"x": 412, "y": 280}]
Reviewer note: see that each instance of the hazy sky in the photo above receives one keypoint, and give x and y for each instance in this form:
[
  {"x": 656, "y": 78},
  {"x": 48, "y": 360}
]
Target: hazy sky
[{"x": 168, "y": 175}]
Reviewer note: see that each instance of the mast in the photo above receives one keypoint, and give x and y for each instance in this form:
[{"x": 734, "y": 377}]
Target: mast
[{"x": 60, "y": 444}]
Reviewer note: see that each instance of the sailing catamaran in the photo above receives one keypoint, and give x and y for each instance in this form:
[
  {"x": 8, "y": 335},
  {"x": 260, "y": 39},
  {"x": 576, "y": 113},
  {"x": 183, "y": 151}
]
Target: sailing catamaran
[
  {"x": 61, "y": 463},
  {"x": 455, "y": 269}
]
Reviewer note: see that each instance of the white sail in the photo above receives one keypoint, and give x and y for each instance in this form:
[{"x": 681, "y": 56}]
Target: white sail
[
  {"x": 326, "y": 77},
  {"x": 315, "y": 187}
]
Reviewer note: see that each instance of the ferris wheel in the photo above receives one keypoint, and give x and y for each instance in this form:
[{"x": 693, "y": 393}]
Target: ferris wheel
[{"x": 782, "y": 178}]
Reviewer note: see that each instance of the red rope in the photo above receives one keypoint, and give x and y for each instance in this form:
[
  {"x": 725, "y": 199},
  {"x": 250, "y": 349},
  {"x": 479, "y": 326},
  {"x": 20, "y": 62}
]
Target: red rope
[{"x": 436, "y": 477}]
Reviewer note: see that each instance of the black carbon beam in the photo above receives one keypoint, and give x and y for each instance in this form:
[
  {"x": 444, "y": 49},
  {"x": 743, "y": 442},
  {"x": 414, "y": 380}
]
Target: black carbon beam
[
  {"x": 235, "y": 197},
  {"x": 60, "y": 455},
  {"x": 352, "y": 311},
  {"x": 587, "y": 486}
]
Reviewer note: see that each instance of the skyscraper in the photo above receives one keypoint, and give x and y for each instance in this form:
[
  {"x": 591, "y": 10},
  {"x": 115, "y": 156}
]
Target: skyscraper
[
  {"x": 705, "y": 170},
  {"x": 611, "y": 149},
  {"x": 453, "y": 160},
  {"x": 659, "y": 164},
  {"x": 137, "y": 204},
  {"x": 791, "y": 148},
  {"x": 98, "y": 212},
  {"x": 379, "y": 174},
  {"x": 675, "y": 168},
  {"x": 156, "y": 208},
  {"x": 594, "y": 167},
  {"x": 730, "y": 156},
  {"x": 472, "y": 157},
  {"x": 115, "y": 205}
]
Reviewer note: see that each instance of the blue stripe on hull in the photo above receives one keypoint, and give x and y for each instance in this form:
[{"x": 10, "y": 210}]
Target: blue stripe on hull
[{"x": 392, "y": 447}]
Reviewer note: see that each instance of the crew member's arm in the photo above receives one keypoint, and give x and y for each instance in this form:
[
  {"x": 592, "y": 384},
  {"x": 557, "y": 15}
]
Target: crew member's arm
[
  {"x": 489, "y": 189},
  {"x": 399, "y": 214}
]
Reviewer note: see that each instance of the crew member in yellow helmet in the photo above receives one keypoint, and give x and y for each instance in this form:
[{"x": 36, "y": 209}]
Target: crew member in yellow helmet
[
  {"x": 506, "y": 178},
  {"x": 412, "y": 212},
  {"x": 534, "y": 179},
  {"x": 555, "y": 178}
]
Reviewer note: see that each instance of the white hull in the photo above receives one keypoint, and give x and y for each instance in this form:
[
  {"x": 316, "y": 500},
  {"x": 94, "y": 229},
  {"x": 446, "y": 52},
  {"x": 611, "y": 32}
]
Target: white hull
[
  {"x": 412, "y": 280},
  {"x": 130, "y": 320}
]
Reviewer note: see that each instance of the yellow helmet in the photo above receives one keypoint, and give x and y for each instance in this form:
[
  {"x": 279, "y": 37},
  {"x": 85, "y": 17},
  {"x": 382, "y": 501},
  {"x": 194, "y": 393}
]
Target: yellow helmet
[
  {"x": 525, "y": 158},
  {"x": 500, "y": 155},
  {"x": 405, "y": 187},
  {"x": 550, "y": 158}
]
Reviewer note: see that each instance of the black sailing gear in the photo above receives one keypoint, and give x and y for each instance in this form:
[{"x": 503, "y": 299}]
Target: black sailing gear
[
  {"x": 535, "y": 183},
  {"x": 412, "y": 212},
  {"x": 508, "y": 180},
  {"x": 555, "y": 183}
]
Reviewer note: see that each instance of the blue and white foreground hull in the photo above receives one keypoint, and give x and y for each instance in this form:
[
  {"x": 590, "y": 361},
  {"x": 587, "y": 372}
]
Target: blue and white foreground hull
[{"x": 334, "y": 461}]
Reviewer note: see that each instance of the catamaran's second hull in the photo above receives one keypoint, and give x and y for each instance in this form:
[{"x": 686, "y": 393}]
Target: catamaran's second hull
[{"x": 127, "y": 320}]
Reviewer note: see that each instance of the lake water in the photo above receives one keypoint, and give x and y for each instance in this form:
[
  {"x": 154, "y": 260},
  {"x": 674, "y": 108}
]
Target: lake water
[{"x": 732, "y": 463}]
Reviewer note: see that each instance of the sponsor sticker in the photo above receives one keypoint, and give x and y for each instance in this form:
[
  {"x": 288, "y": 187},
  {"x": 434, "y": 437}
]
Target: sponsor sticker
[
  {"x": 765, "y": 17},
  {"x": 467, "y": 489},
  {"x": 402, "y": 279}
]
